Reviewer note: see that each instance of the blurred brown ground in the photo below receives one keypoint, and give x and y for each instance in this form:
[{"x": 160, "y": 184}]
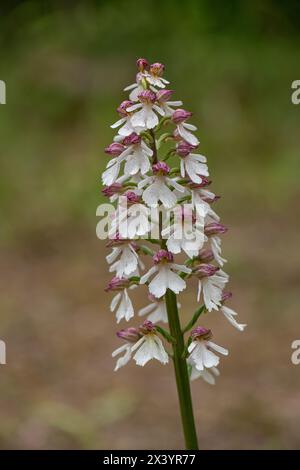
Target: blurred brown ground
[{"x": 64, "y": 73}]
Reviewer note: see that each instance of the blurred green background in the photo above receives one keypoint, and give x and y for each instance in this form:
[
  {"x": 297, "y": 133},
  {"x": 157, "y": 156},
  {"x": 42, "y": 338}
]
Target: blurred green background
[{"x": 65, "y": 65}]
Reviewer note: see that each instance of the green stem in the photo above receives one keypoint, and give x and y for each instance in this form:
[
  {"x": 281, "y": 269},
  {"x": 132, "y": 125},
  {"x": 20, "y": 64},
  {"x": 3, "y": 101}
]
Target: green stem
[{"x": 181, "y": 373}]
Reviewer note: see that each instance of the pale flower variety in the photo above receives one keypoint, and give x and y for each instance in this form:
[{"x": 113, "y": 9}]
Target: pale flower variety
[
  {"x": 165, "y": 104},
  {"x": 156, "y": 311},
  {"x": 192, "y": 164},
  {"x": 170, "y": 207},
  {"x": 121, "y": 303},
  {"x": 208, "y": 375},
  {"x": 125, "y": 122},
  {"x": 185, "y": 233},
  {"x": 212, "y": 231},
  {"x": 149, "y": 347},
  {"x": 230, "y": 314},
  {"x": 154, "y": 76},
  {"x": 130, "y": 335},
  {"x": 131, "y": 219},
  {"x": 166, "y": 275},
  {"x": 136, "y": 155},
  {"x": 148, "y": 74},
  {"x": 211, "y": 283},
  {"x": 183, "y": 128},
  {"x": 146, "y": 344},
  {"x": 203, "y": 351},
  {"x": 157, "y": 189},
  {"x": 124, "y": 259},
  {"x": 138, "y": 158},
  {"x": 145, "y": 117}
]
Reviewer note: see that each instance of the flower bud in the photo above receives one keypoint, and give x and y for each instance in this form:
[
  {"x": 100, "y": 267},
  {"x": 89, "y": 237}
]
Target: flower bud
[
  {"x": 114, "y": 188},
  {"x": 142, "y": 64},
  {"x": 205, "y": 270},
  {"x": 115, "y": 149},
  {"x": 117, "y": 283},
  {"x": 123, "y": 107},
  {"x": 226, "y": 295},
  {"x": 161, "y": 168},
  {"x": 205, "y": 255},
  {"x": 147, "y": 96},
  {"x": 147, "y": 327},
  {"x": 180, "y": 115},
  {"x": 164, "y": 95},
  {"x": 132, "y": 139},
  {"x": 132, "y": 197},
  {"x": 130, "y": 334},
  {"x": 201, "y": 333},
  {"x": 157, "y": 69},
  {"x": 183, "y": 148},
  {"x": 163, "y": 255},
  {"x": 214, "y": 229}
]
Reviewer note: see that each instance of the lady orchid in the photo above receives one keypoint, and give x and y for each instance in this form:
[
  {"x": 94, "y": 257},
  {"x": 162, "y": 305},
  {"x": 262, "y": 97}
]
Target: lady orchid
[{"x": 150, "y": 193}]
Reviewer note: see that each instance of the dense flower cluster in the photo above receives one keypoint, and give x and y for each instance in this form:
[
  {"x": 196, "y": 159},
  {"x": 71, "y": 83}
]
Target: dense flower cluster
[{"x": 152, "y": 129}]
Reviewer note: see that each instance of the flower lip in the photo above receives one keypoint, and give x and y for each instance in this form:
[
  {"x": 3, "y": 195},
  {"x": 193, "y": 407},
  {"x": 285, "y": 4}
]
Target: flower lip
[
  {"x": 205, "y": 270},
  {"x": 117, "y": 283},
  {"x": 132, "y": 139},
  {"x": 161, "y": 168},
  {"x": 214, "y": 228},
  {"x": 163, "y": 255},
  {"x": 130, "y": 334},
  {"x": 226, "y": 295},
  {"x": 115, "y": 149},
  {"x": 147, "y": 327},
  {"x": 183, "y": 148},
  {"x": 164, "y": 95},
  {"x": 123, "y": 106},
  {"x": 157, "y": 69},
  {"x": 181, "y": 115},
  {"x": 132, "y": 197},
  {"x": 112, "y": 189},
  {"x": 142, "y": 64},
  {"x": 147, "y": 96},
  {"x": 201, "y": 333}
]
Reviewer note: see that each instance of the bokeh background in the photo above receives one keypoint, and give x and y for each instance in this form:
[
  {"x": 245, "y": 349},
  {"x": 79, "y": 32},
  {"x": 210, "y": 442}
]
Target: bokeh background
[{"x": 65, "y": 65}]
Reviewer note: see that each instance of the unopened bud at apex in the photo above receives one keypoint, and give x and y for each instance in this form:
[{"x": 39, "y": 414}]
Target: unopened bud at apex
[
  {"x": 157, "y": 69},
  {"x": 142, "y": 64}
]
